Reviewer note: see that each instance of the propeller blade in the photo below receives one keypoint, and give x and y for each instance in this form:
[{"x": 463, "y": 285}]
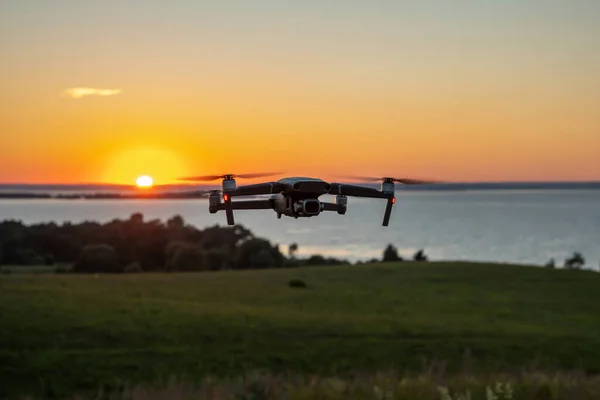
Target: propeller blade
[
  {"x": 408, "y": 181},
  {"x": 204, "y": 178},
  {"x": 405, "y": 181},
  {"x": 257, "y": 175},
  {"x": 363, "y": 178}
]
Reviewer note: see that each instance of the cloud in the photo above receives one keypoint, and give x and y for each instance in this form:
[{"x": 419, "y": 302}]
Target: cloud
[{"x": 80, "y": 92}]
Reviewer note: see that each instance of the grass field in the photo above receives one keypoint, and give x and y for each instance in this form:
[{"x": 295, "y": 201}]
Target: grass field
[{"x": 61, "y": 334}]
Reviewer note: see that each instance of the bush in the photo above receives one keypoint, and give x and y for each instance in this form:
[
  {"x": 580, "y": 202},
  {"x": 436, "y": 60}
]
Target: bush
[
  {"x": 297, "y": 283},
  {"x": 133, "y": 268},
  {"x": 97, "y": 258}
]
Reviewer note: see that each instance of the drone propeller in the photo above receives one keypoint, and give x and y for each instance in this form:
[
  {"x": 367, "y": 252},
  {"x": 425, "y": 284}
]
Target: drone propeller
[
  {"x": 206, "y": 178},
  {"x": 405, "y": 181}
]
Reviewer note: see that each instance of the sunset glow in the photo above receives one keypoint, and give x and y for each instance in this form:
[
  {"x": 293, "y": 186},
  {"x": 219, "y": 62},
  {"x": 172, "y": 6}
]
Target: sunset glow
[
  {"x": 163, "y": 165},
  {"x": 144, "y": 181},
  {"x": 484, "y": 91}
]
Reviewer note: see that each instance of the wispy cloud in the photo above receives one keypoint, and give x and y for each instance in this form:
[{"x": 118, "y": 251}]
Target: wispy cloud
[{"x": 80, "y": 92}]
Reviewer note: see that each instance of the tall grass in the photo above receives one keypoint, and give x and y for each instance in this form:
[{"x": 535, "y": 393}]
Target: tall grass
[{"x": 381, "y": 386}]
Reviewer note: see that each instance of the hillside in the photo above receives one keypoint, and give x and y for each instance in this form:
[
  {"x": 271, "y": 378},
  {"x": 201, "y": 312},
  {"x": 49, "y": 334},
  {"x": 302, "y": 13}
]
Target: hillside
[{"x": 68, "y": 333}]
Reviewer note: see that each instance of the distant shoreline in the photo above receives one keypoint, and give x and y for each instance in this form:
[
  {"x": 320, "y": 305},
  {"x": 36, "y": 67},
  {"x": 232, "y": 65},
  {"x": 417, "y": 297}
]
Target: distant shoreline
[{"x": 33, "y": 191}]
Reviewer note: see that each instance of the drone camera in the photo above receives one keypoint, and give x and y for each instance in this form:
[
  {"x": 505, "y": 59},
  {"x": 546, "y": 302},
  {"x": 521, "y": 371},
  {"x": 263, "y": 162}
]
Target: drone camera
[
  {"x": 312, "y": 207},
  {"x": 308, "y": 207}
]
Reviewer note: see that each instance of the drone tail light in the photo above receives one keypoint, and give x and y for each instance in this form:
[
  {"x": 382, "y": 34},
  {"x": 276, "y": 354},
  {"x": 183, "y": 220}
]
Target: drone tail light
[{"x": 393, "y": 200}]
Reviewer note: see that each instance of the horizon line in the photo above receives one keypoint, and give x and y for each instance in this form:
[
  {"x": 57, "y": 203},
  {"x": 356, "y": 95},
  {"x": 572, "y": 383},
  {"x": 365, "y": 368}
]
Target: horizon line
[{"x": 217, "y": 183}]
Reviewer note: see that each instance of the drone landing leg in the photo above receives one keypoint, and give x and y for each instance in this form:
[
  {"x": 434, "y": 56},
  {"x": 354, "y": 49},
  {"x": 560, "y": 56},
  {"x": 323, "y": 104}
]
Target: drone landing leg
[
  {"x": 388, "y": 211},
  {"x": 229, "y": 211}
]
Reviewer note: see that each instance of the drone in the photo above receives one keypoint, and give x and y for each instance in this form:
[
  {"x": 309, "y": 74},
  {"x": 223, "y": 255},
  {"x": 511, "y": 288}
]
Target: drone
[{"x": 295, "y": 197}]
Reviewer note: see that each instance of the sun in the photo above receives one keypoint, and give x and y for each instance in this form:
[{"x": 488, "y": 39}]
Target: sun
[{"x": 144, "y": 181}]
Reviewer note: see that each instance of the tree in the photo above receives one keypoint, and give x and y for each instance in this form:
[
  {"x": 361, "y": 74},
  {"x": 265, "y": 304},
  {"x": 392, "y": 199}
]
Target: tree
[
  {"x": 137, "y": 218},
  {"x": 218, "y": 258},
  {"x": 576, "y": 261},
  {"x": 420, "y": 256},
  {"x": 292, "y": 249},
  {"x": 230, "y": 236},
  {"x": 188, "y": 257},
  {"x": 176, "y": 222},
  {"x": 258, "y": 253},
  {"x": 390, "y": 254}
]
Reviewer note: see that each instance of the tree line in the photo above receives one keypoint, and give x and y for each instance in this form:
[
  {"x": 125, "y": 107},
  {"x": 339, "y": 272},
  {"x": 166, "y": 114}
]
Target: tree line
[{"x": 135, "y": 245}]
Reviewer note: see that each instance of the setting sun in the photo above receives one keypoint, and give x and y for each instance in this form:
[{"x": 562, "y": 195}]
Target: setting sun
[{"x": 144, "y": 181}]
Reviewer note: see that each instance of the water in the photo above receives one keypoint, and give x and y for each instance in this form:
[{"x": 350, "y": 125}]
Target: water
[{"x": 499, "y": 225}]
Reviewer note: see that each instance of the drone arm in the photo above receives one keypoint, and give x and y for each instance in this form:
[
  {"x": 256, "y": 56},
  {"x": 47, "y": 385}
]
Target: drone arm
[
  {"x": 257, "y": 189},
  {"x": 329, "y": 206},
  {"x": 252, "y": 205},
  {"x": 357, "y": 191},
  {"x": 247, "y": 205}
]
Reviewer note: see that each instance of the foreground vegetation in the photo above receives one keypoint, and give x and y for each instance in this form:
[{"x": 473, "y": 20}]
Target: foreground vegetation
[
  {"x": 388, "y": 385},
  {"x": 69, "y": 333}
]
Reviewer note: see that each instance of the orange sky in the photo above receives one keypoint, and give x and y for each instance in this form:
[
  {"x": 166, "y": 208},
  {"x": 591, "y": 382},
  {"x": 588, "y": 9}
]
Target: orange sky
[{"x": 493, "y": 92}]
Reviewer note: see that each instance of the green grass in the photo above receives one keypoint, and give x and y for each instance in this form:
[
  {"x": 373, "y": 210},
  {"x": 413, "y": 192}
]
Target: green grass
[
  {"x": 61, "y": 334},
  {"x": 32, "y": 269}
]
